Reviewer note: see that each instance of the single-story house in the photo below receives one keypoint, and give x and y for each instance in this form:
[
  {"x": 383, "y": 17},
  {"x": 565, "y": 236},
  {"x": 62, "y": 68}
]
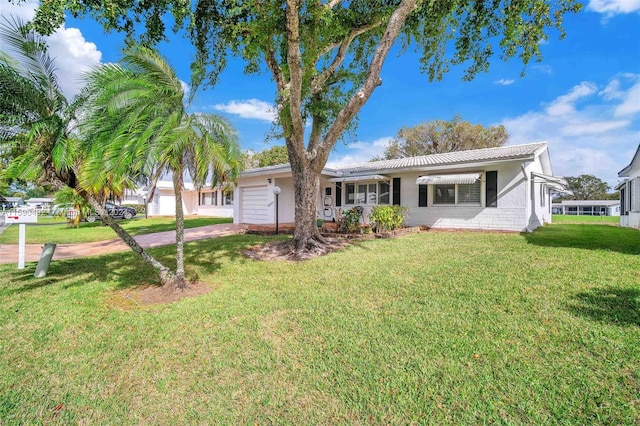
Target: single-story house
[
  {"x": 630, "y": 193},
  {"x": 13, "y": 201},
  {"x": 203, "y": 202},
  {"x": 42, "y": 204},
  {"x": 507, "y": 188},
  {"x": 587, "y": 207}
]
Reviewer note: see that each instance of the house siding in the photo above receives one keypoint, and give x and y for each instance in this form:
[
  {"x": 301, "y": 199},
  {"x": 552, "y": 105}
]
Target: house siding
[
  {"x": 509, "y": 215},
  {"x": 523, "y": 201},
  {"x": 631, "y": 199}
]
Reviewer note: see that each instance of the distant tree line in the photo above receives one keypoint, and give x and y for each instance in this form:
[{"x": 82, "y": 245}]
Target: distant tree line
[{"x": 588, "y": 187}]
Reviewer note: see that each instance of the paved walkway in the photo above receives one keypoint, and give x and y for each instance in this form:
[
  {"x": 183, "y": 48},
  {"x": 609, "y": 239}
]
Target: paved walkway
[{"x": 9, "y": 252}]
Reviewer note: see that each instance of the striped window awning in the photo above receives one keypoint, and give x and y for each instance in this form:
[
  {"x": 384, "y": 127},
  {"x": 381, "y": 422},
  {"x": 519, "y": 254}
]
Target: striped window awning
[
  {"x": 359, "y": 178},
  {"x": 460, "y": 178}
]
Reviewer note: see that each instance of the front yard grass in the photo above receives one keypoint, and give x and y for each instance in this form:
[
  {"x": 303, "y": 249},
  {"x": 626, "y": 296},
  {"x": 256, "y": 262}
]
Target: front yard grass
[
  {"x": 432, "y": 328},
  {"x": 60, "y": 233},
  {"x": 603, "y": 220}
]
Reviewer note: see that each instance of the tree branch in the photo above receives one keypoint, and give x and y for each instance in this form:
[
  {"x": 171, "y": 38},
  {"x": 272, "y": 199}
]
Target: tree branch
[
  {"x": 274, "y": 66},
  {"x": 322, "y": 78},
  {"x": 373, "y": 77},
  {"x": 332, "y": 4},
  {"x": 316, "y": 133},
  {"x": 294, "y": 60}
]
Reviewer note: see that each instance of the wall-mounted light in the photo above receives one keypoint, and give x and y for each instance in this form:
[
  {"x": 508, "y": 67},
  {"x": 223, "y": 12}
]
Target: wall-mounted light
[{"x": 269, "y": 180}]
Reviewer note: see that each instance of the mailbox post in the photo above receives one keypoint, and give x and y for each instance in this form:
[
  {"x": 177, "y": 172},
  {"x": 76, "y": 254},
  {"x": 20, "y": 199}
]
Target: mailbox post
[{"x": 21, "y": 217}]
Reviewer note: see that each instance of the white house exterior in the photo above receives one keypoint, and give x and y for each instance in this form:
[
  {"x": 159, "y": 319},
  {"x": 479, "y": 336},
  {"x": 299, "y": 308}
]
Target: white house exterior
[
  {"x": 506, "y": 188},
  {"x": 587, "y": 207},
  {"x": 204, "y": 202},
  {"x": 630, "y": 193}
]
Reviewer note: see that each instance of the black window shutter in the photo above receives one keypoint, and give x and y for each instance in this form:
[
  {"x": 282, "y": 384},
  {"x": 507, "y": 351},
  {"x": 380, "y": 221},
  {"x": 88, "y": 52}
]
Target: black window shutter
[
  {"x": 422, "y": 195},
  {"x": 338, "y": 194},
  {"x": 491, "y": 190},
  {"x": 396, "y": 191}
]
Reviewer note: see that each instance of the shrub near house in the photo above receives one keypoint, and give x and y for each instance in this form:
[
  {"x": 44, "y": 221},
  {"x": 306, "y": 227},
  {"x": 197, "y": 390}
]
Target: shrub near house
[{"x": 387, "y": 218}]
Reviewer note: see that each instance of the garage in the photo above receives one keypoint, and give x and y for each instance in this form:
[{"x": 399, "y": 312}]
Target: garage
[{"x": 254, "y": 204}]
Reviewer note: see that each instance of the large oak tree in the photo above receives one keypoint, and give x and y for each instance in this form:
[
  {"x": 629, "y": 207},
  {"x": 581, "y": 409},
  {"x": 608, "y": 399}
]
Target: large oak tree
[
  {"x": 587, "y": 187},
  {"x": 439, "y": 136},
  {"x": 325, "y": 56}
]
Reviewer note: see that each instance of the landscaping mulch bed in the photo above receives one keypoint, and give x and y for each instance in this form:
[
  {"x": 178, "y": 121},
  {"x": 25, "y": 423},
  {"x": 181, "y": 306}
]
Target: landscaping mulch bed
[{"x": 282, "y": 250}]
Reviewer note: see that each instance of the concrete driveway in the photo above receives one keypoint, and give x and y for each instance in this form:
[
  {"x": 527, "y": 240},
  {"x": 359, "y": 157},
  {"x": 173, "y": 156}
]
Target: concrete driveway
[{"x": 9, "y": 252}]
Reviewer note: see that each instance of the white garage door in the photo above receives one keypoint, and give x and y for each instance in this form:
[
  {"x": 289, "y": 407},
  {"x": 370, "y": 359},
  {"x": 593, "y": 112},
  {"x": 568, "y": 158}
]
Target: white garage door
[{"x": 254, "y": 204}]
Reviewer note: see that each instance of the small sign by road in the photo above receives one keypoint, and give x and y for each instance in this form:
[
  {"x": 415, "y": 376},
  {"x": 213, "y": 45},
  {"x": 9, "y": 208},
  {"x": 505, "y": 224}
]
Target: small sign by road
[{"x": 21, "y": 216}]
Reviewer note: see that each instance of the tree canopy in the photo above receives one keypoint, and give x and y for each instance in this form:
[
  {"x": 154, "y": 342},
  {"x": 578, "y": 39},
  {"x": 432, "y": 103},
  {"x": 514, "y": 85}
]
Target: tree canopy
[
  {"x": 438, "y": 136},
  {"x": 268, "y": 157},
  {"x": 588, "y": 187}
]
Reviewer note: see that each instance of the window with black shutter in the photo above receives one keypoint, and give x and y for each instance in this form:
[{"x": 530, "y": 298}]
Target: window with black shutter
[
  {"x": 491, "y": 188},
  {"x": 396, "y": 191},
  {"x": 422, "y": 195},
  {"x": 338, "y": 194}
]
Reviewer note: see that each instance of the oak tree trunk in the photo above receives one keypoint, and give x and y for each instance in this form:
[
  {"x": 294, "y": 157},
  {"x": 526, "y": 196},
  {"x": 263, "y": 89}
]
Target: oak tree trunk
[{"x": 306, "y": 184}]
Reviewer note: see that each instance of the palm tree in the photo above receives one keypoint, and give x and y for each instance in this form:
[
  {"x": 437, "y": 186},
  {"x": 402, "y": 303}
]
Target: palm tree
[
  {"x": 138, "y": 125},
  {"x": 35, "y": 121},
  {"x": 38, "y": 140}
]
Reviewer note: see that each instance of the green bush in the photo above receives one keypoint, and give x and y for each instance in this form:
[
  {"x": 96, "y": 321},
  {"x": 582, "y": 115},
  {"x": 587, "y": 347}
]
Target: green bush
[
  {"x": 387, "y": 218},
  {"x": 349, "y": 223}
]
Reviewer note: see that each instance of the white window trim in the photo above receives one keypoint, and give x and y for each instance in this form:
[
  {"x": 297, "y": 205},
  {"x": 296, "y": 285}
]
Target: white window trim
[
  {"x": 366, "y": 197},
  {"x": 432, "y": 196}
]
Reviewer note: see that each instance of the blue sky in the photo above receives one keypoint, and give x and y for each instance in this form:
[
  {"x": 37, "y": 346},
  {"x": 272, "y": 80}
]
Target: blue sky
[{"x": 583, "y": 98}]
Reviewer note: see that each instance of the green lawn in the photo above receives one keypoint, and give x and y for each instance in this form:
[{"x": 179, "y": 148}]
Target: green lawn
[
  {"x": 603, "y": 220},
  {"x": 432, "y": 328},
  {"x": 87, "y": 232}
]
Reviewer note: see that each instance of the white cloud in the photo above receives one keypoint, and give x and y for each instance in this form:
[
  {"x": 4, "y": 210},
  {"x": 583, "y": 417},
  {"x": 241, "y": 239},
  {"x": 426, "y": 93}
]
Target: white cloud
[
  {"x": 592, "y": 127},
  {"x": 185, "y": 87},
  {"x": 630, "y": 99},
  {"x": 631, "y": 102},
  {"x": 360, "y": 152},
  {"x": 73, "y": 54},
  {"x": 590, "y": 130},
  {"x": 543, "y": 69},
  {"x": 250, "y": 108},
  {"x": 613, "y": 7},
  {"x": 565, "y": 104},
  {"x": 504, "y": 82}
]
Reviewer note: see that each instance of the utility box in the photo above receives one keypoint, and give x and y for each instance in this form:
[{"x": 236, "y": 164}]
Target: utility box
[{"x": 45, "y": 260}]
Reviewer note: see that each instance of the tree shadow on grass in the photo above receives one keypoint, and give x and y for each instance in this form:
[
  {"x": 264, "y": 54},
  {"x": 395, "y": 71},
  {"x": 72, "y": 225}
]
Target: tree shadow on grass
[
  {"x": 127, "y": 270},
  {"x": 614, "y": 305},
  {"x": 589, "y": 237}
]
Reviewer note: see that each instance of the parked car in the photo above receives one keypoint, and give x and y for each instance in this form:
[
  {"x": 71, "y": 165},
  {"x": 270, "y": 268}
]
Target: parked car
[{"x": 114, "y": 211}]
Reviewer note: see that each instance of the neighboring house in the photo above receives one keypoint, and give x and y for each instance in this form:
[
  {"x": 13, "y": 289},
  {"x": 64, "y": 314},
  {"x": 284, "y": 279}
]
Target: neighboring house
[
  {"x": 204, "y": 202},
  {"x": 14, "y": 201},
  {"x": 506, "y": 188},
  {"x": 630, "y": 193},
  {"x": 43, "y": 203},
  {"x": 587, "y": 207}
]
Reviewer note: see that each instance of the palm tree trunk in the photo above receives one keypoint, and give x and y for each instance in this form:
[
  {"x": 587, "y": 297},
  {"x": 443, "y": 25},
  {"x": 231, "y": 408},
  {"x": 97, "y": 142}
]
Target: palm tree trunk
[
  {"x": 178, "y": 182},
  {"x": 166, "y": 275}
]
